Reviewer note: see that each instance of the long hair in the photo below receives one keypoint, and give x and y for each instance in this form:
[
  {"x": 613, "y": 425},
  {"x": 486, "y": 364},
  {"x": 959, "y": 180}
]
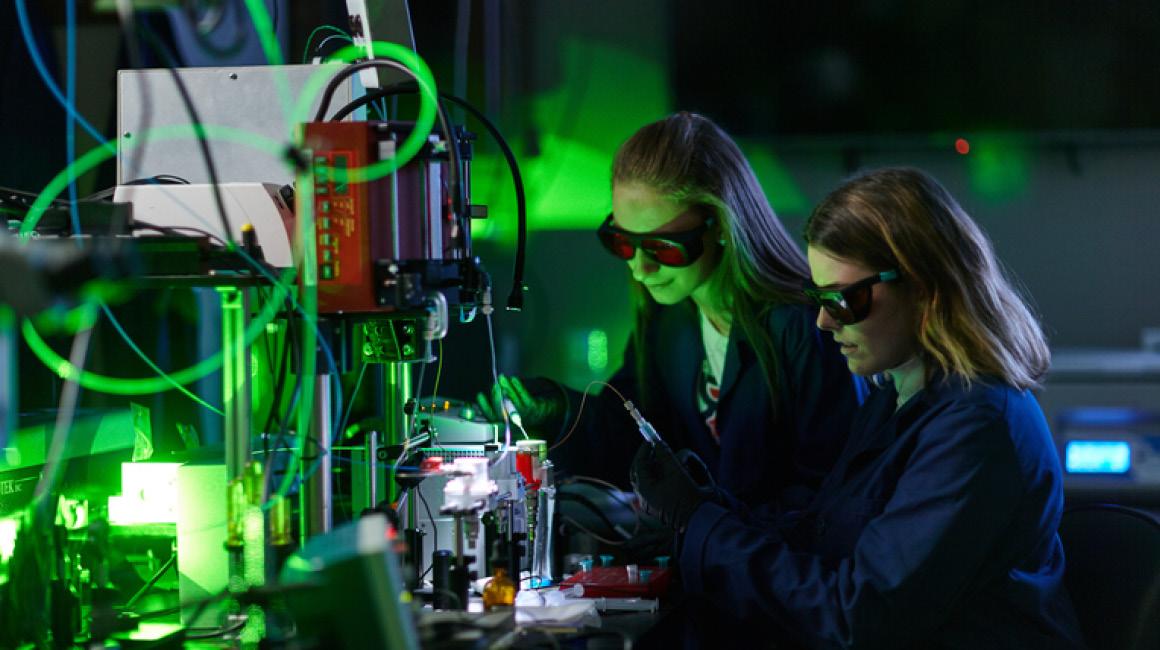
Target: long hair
[
  {"x": 971, "y": 322},
  {"x": 689, "y": 159}
]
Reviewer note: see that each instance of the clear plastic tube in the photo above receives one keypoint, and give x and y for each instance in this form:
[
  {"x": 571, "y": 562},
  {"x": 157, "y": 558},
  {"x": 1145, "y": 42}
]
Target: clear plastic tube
[{"x": 646, "y": 430}]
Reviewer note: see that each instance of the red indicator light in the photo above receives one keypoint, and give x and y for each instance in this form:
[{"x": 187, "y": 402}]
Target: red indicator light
[{"x": 962, "y": 146}]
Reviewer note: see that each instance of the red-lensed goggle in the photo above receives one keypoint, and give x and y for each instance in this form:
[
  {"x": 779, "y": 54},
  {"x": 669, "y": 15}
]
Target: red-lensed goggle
[{"x": 670, "y": 248}]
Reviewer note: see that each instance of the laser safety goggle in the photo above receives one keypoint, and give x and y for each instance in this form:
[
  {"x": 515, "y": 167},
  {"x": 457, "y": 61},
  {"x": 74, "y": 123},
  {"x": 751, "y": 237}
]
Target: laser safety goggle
[
  {"x": 849, "y": 304},
  {"x": 670, "y": 248}
]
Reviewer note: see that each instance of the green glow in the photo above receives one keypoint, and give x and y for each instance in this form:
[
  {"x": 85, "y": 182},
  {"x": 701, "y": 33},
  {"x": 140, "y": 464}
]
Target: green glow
[
  {"x": 148, "y": 494},
  {"x": 150, "y": 634},
  {"x": 254, "y": 552},
  {"x": 149, "y": 385},
  {"x": 70, "y": 321},
  {"x": 597, "y": 350},
  {"x": 93, "y": 157},
  {"x": 8, "y": 530},
  {"x": 424, "y": 122},
  {"x": 123, "y": 386},
  {"x": 998, "y": 166},
  {"x": 255, "y": 630},
  {"x": 610, "y": 93}
]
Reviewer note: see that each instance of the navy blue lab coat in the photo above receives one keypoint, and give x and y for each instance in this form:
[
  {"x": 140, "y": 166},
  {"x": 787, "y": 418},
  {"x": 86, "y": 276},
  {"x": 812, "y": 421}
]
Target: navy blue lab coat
[
  {"x": 762, "y": 457},
  {"x": 936, "y": 529}
]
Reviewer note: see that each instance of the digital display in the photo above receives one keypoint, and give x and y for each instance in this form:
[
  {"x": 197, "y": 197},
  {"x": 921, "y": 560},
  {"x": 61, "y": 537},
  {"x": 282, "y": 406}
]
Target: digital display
[{"x": 1098, "y": 457}]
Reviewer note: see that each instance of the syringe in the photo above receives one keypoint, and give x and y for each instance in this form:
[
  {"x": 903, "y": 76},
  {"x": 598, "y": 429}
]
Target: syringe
[{"x": 646, "y": 430}]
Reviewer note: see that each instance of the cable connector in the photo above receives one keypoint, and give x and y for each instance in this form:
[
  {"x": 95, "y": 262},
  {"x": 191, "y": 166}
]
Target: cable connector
[{"x": 647, "y": 431}]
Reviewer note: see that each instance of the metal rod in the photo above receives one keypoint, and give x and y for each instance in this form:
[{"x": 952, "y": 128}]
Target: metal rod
[
  {"x": 236, "y": 390},
  {"x": 395, "y": 419},
  {"x": 317, "y": 513}
]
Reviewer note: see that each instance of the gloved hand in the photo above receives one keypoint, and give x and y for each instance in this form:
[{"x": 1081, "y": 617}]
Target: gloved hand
[
  {"x": 540, "y": 406},
  {"x": 664, "y": 484}
]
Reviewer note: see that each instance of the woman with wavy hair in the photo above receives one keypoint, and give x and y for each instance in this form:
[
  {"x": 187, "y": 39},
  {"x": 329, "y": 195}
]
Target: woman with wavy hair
[
  {"x": 937, "y": 526},
  {"x": 724, "y": 360}
]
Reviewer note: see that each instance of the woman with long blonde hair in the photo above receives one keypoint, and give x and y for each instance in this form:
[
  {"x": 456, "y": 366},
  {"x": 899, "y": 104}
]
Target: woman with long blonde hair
[{"x": 725, "y": 360}]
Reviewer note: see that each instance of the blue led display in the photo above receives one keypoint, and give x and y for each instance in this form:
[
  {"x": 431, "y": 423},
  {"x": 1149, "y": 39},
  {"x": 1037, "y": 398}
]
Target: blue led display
[{"x": 1097, "y": 457}]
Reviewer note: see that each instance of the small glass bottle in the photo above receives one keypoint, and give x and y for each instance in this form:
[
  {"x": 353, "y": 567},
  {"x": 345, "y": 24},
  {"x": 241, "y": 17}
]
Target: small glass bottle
[{"x": 500, "y": 591}]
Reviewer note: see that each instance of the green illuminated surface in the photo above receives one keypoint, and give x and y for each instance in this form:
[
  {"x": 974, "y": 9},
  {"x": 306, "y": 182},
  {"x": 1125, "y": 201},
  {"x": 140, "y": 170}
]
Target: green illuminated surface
[
  {"x": 8, "y": 529},
  {"x": 608, "y": 94},
  {"x": 148, "y": 494},
  {"x": 597, "y": 350}
]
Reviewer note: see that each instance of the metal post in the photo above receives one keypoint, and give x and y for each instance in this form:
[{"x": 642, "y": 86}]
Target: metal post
[
  {"x": 236, "y": 398},
  {"x": 398, "y": 393},
  {"x": 372, "y": 468},
  {"x": 236, "y": 389},
  {"x": 317, "y": 514}
]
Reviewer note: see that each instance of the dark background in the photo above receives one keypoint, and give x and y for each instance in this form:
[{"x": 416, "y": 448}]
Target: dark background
[{"x": 1059, "y": 102}]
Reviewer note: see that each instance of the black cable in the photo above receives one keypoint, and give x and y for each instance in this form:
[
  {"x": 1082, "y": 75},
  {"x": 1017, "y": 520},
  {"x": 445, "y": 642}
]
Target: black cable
[
  {"x": 213, "y": 634},
  {"x": 176, "y": 230},
  {"x": 198, "y": 129},
  {"x": 280, "y": 371},
  {"x": 280, "y": 380},
  {"x": 612, "y": 490},
  {"x": 434, "y": 529},
  {"x": 333, "y": 84},
  {"x": 152, "y": 581},
  {"x": 160, "y": 179},
  {"x": 516, "y": 297},
  {"x": 452, "y": 143},
  {"x": 591, "y": 505},
  {"x": 158, "y": 613}
]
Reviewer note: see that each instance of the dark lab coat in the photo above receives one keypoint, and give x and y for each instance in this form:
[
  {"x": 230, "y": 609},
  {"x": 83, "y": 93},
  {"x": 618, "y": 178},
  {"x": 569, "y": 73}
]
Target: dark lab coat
[
  {"x": 764, "y": 455},
  {"x": 937, "y": 529}
]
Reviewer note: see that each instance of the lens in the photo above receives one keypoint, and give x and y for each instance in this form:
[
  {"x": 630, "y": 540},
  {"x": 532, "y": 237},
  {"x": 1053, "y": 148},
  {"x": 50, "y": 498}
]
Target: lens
[
  {"x": 858, "y": 302},
  {"x": 665, "y": 252},
  {"x": 618, "y": 245},
  {"x": 833, "y": 303},
  {"x": 838, "y": 312}
]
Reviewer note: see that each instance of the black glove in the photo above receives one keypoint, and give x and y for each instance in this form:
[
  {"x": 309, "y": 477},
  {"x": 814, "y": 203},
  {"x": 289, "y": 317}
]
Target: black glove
[
  {"x": 663, "y": 483},
  {"x": 540, "y": 407}
]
